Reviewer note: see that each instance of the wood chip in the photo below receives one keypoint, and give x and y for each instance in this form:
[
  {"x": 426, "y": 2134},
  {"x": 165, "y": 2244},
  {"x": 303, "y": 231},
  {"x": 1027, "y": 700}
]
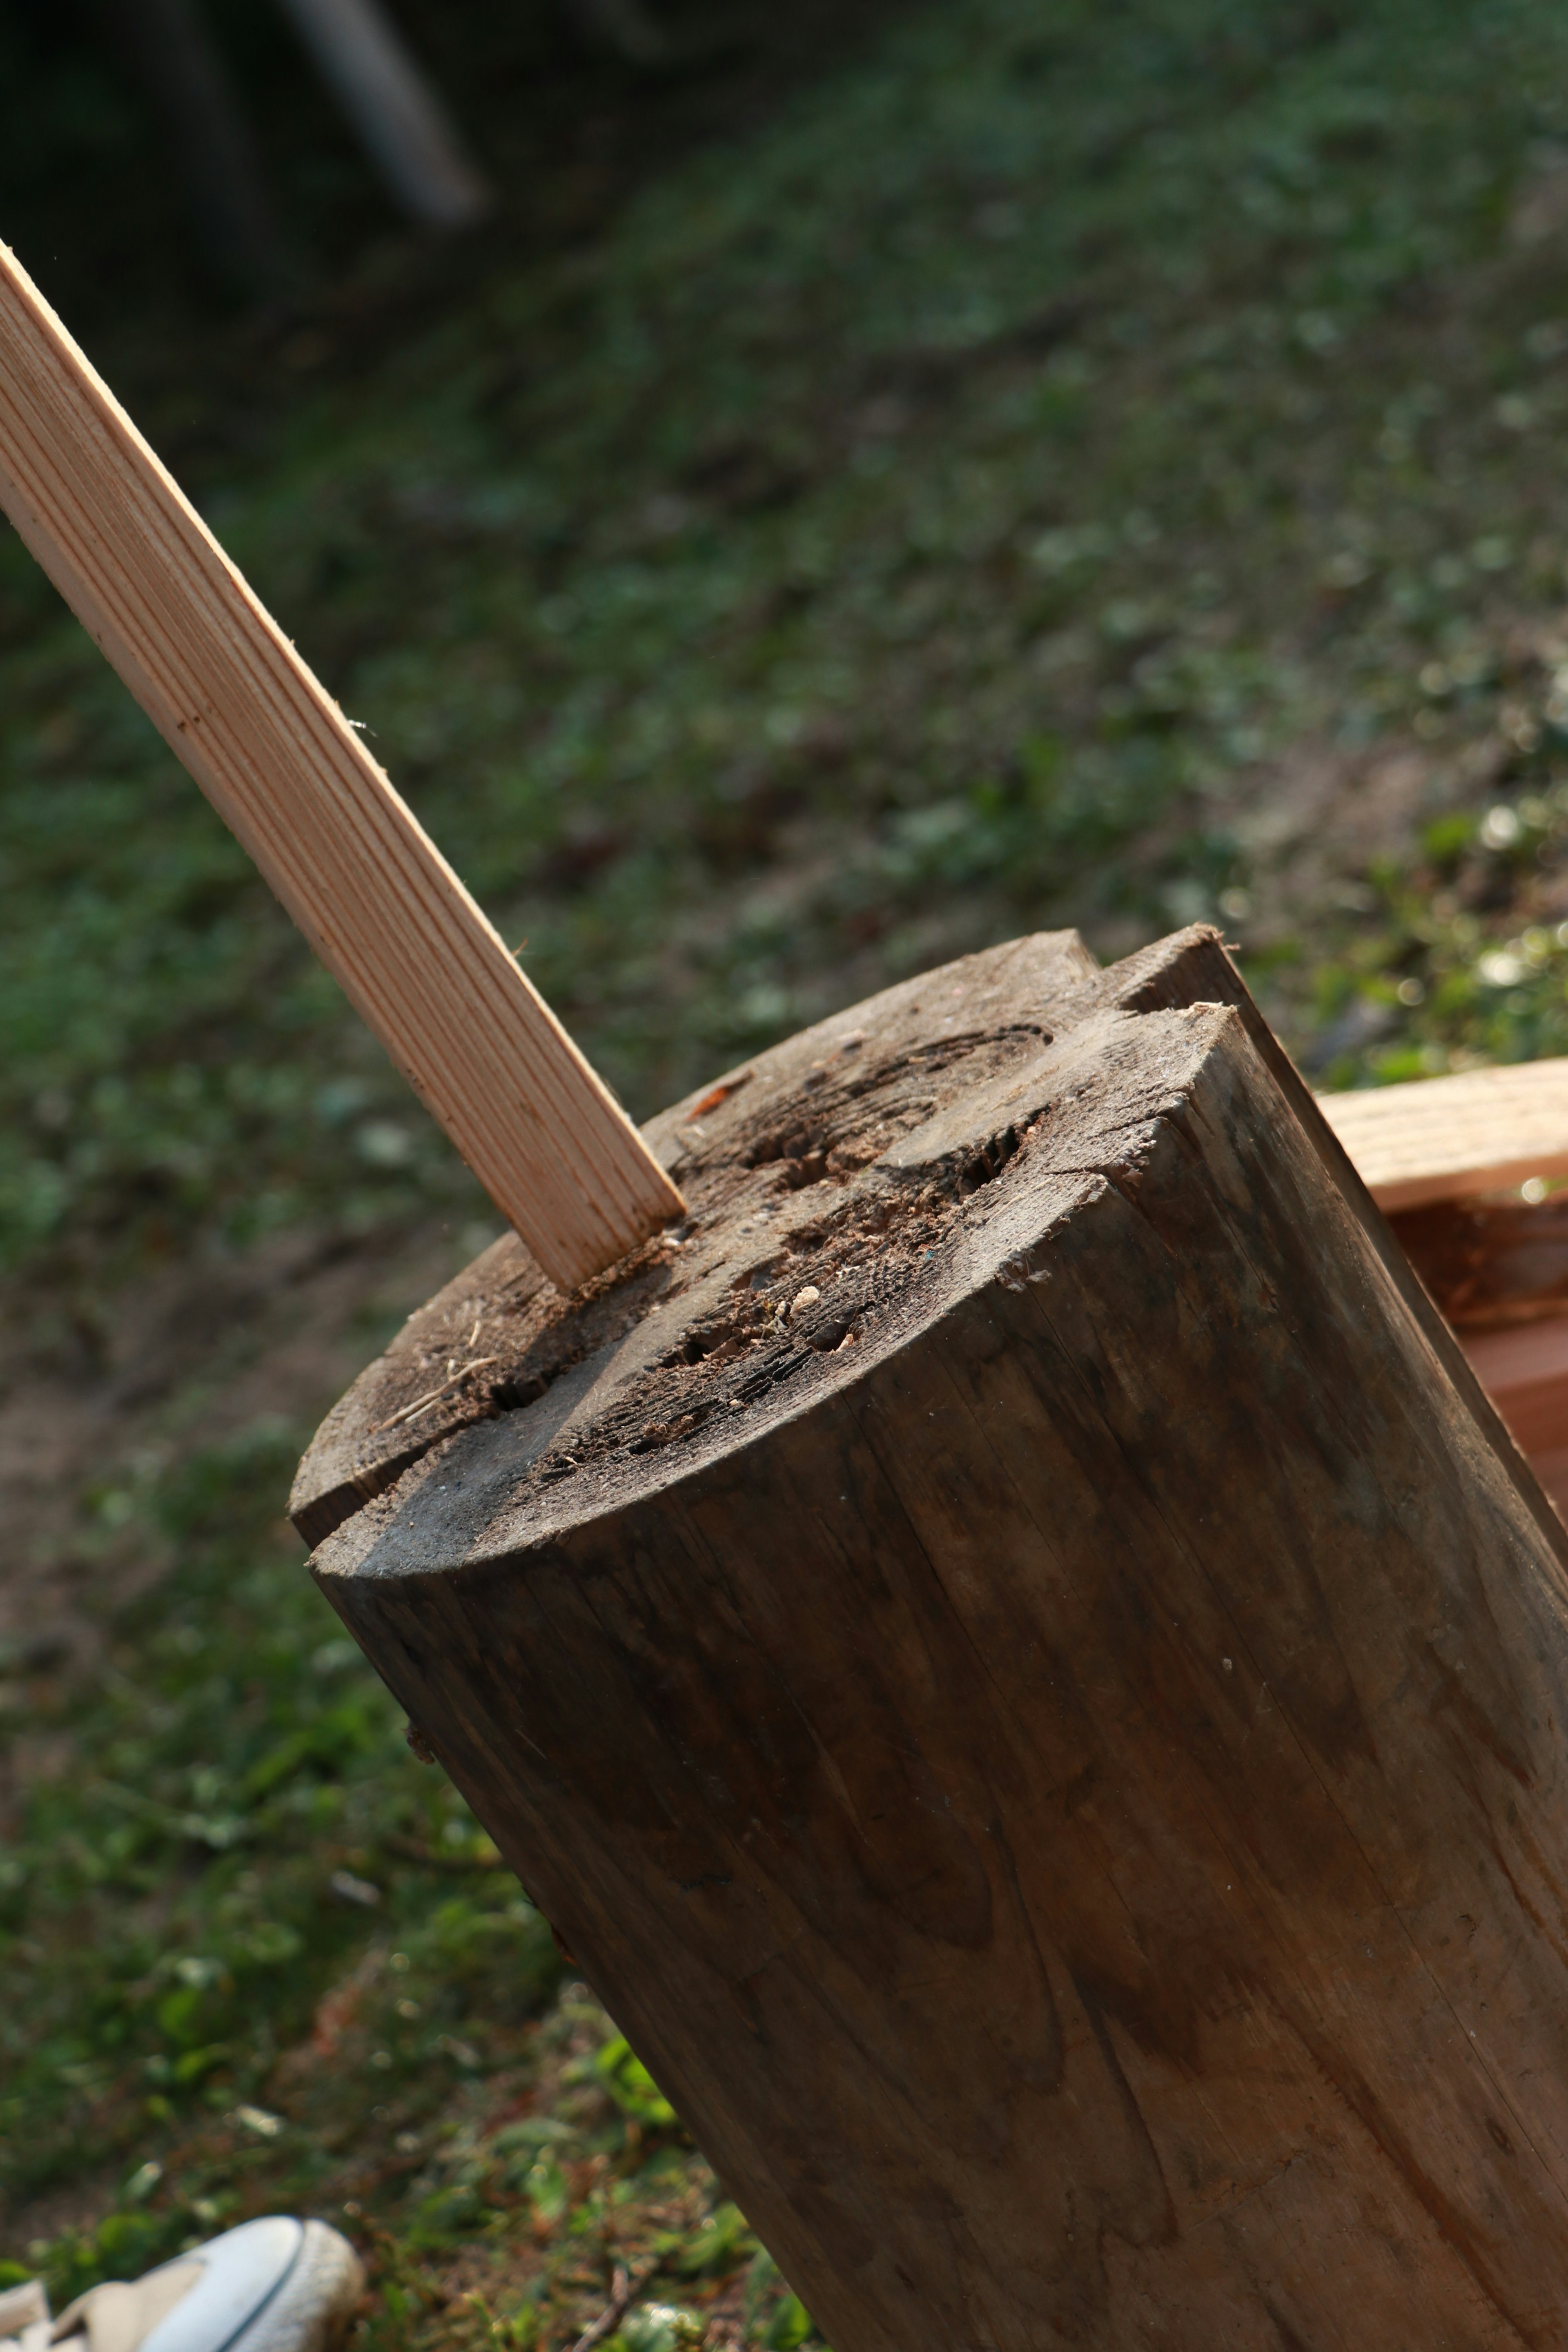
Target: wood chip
[{"x": 433, "y": 1396}]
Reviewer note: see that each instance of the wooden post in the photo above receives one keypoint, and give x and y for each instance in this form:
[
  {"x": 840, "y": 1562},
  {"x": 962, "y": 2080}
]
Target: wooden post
[
  {"x": 291, "y": 779},
  {"x": 397, "y": 115},
  {"x": 1018, "y": 1665}
]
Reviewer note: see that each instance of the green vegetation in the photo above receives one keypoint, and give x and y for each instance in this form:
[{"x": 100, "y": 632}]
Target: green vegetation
[
  {"x": 260, "y": 1958},
  {"x": 1095, "y": 466},
  {"x": 929, "y": 522}
]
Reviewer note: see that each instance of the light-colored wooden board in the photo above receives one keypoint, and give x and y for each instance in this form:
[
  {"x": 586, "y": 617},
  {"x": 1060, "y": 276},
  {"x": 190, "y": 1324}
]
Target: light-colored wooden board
[
  {"x": 1443, "y": 1138},
  {"x": 1453, "y": 1139},
  {"x": 291, "y": 779}
]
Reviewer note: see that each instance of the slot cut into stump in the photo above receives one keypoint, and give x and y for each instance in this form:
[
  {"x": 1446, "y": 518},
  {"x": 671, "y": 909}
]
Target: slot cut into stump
[{"x": 1052, "y": 1750}]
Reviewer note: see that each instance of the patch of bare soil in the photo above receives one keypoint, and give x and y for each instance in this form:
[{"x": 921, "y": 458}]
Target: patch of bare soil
[
  {"x": 1319, "y": 817},
  {"x": 96, "y": 1399}
]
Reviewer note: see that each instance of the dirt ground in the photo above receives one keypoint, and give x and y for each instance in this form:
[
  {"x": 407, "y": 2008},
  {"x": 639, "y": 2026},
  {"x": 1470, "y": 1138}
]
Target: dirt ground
[{"x": 98, "y": 1396}]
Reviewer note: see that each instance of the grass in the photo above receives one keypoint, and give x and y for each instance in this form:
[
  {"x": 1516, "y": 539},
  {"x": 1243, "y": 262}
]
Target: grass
[
  {"x": 1100, "y": 470},
  {"x": 265, "y": 1958},
  {"x": 930, "y": 528}
]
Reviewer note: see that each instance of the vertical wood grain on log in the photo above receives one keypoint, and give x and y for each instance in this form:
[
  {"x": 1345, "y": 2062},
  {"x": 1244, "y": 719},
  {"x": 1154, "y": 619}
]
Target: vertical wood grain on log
[
  {"x": 1065, "y": 1787},
  {"x": 1193, "y": 968},
  {"x": 292, "y": 781}
]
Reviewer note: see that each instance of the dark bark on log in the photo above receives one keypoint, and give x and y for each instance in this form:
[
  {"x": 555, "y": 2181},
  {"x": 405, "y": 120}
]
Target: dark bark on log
[
  {"x": 1051, "y": 1747},
  {"x": 1191, "y": 967}
]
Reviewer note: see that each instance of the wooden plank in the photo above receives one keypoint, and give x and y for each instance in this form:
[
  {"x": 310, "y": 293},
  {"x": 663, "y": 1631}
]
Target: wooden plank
[
  {"x": 1552, "y": 1469},
  {"x": 1441, "y": 1138},
  {"x": 292, "y": 780},
  {"x": 1524, "y": 1369}
]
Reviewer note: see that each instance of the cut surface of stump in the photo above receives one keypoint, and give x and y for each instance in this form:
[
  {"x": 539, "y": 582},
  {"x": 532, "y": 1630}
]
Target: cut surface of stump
[
  {"x": 822, "y": 1181},
  {"x": 1015, "y": 1656},
  {"x": 824, "y": 1156}
]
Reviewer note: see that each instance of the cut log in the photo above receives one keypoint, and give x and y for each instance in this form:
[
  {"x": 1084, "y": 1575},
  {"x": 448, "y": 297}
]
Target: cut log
[
  {"x": 397, "y": 1409},
  {"x": 1443, "y": 1138},
  {"x": 1008, "y": 1652}
]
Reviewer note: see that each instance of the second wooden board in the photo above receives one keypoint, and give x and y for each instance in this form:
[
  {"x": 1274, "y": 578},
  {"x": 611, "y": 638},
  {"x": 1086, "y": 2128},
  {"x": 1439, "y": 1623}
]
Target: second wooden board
[{"x": 1444, "y": 1139}]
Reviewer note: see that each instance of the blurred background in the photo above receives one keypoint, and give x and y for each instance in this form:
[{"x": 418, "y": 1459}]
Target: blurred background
[{"x": 793, "y": 496}]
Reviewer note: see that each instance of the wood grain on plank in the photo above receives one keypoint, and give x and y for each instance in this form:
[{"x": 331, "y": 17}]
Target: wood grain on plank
[
  {"x": 1441, "y": 1138},
  {"x": 291, "y": 778}
]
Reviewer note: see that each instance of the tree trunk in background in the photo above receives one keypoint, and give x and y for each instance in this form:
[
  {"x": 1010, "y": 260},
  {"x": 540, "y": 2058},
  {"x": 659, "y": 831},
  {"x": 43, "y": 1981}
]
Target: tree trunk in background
[
  {"x": 399, "y": 117},
  {"x": 624, "y": 27},
  {"x": 1010, "y": 1658},
  {"x": 166, "y": 46}
]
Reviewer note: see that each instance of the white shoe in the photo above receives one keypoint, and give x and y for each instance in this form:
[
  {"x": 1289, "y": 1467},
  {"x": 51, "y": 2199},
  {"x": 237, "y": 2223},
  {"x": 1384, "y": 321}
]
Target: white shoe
[{"x": 273, "y": 2285}]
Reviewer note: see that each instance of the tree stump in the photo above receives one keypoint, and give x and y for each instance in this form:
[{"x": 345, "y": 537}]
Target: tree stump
[{"x": 1014, "y": 1655}]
